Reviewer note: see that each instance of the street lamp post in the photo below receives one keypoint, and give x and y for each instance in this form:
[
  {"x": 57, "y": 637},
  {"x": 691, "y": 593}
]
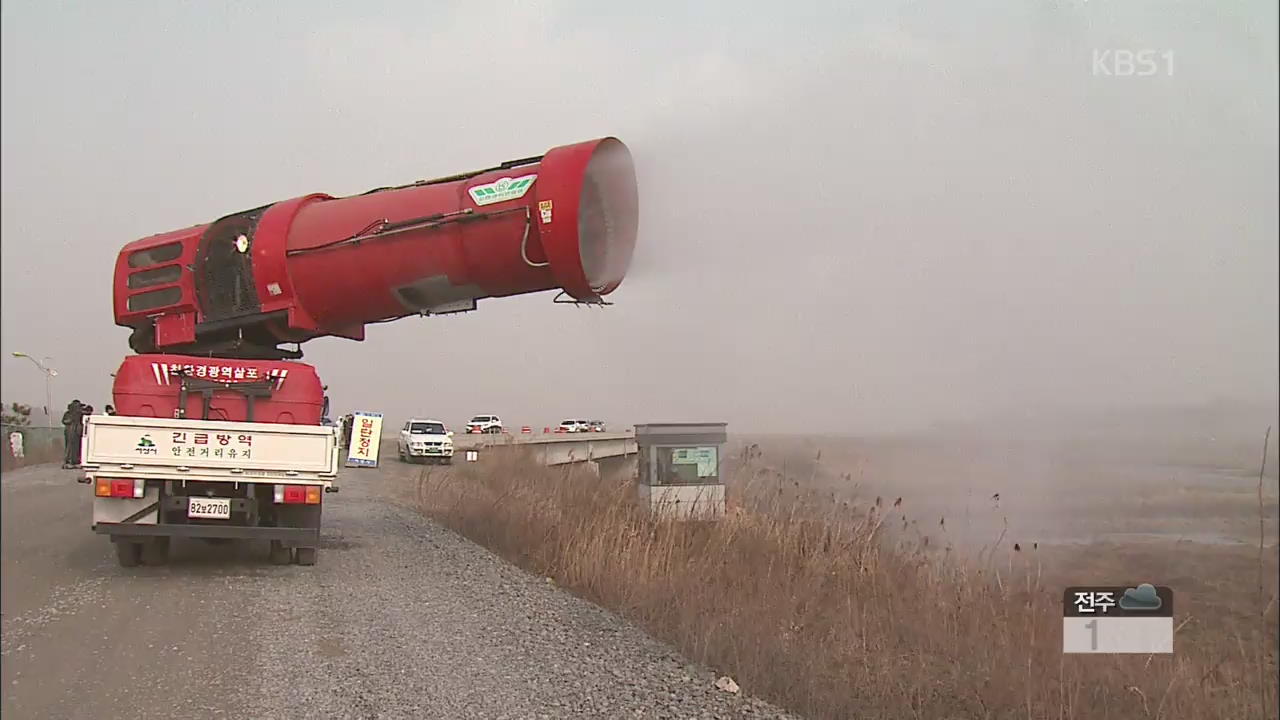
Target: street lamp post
[{"x": 49, "y": 375}]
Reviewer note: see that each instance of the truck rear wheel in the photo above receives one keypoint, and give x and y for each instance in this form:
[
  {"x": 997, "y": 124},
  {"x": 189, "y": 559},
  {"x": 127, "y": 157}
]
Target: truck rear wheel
[
  {"x": 154, "y": 551},
  {"x": 280, "y": 554},
  {"x": 307, "y": 555},
  {"x": 128, "y": 553}
]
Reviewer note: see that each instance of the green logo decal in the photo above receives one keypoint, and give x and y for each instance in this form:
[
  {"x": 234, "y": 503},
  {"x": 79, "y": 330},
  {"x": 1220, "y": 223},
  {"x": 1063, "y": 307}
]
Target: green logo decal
[
  {"x": 146, "y": 442},
  {"x": 502, "y": 189}
]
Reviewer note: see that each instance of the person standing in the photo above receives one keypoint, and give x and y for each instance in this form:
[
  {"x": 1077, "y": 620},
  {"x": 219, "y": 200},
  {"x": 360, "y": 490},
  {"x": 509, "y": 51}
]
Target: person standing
[
  {"x": 72, "y": 431},
  {"x": 347, "y": 421}
]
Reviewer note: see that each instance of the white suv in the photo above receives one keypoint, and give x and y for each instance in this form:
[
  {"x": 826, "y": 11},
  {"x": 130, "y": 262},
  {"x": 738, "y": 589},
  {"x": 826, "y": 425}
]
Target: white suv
[
  {"x": 485, "y": 424},
  {"x": 574, "y": 426},
  {"x": 425, "y": 438}
]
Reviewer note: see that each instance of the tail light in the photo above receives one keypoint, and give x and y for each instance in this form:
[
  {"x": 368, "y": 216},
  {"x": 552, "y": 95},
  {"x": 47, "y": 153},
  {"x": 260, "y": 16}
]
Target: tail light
[
  {"x": 297, "y": 494},
  {"x": 120, "y": 488}
]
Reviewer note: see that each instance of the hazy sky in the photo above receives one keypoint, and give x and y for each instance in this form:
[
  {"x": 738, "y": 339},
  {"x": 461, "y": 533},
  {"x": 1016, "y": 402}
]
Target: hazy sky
[{"x": 852, "y": 219}]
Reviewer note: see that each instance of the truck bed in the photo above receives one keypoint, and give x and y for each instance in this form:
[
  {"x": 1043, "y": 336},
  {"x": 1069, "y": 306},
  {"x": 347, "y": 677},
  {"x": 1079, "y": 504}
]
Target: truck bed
[{"x": 208, "y": 450}]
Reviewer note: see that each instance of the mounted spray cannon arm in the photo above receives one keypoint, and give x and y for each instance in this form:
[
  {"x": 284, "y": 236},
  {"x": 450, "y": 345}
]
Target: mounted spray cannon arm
[{"x": 318, "y": 266}]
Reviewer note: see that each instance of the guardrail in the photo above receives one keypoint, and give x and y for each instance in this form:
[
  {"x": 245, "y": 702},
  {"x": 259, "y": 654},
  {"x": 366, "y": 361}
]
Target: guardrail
[{"x": 556, "y": 448}]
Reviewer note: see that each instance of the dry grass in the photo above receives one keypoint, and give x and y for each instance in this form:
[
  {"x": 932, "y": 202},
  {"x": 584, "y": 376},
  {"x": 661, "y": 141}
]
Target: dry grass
[{"x": 838, "y": 609}]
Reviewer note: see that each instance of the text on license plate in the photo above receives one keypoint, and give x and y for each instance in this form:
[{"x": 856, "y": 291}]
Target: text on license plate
[{"x": 216, "y": 508}]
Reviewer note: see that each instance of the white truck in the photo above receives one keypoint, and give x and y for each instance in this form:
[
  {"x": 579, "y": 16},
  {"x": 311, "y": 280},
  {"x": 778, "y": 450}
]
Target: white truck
[
  {"x": 158, "y": 478},
  {"x": 423, "y": 438}
]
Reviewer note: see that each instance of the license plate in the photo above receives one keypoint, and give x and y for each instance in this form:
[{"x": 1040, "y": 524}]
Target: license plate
[{"x": 213, "y": 508}]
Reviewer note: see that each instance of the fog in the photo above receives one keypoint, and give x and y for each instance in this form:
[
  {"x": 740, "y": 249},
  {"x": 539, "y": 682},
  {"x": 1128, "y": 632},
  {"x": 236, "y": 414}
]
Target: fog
[{"x": 853, "y": 220}]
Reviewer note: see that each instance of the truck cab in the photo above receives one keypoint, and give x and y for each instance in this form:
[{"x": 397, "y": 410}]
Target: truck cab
[
  {"x": 270, "y": 391},
  {"x": 425, "y": 439}
]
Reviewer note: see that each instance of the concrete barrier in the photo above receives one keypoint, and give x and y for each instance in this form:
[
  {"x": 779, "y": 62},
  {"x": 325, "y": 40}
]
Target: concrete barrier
[
  {"x": 39, "y": 445},
  {"x": 556, "y": 449}
]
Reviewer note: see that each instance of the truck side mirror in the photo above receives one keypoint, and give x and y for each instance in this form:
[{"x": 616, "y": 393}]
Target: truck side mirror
[{"x": 450, "y": 433}]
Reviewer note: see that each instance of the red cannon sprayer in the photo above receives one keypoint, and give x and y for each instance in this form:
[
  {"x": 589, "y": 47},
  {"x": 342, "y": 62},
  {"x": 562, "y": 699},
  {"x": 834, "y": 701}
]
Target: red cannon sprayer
[{"x": 318, "y": 265}]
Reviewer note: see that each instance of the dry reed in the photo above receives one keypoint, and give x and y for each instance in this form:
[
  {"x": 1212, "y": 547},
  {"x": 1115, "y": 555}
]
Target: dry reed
[{"x": 840, "y": 609}]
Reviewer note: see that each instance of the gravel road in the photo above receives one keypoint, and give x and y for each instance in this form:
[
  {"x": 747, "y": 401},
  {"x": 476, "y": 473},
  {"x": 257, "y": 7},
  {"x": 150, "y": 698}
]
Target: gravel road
[{"x": 400, "y": 619}]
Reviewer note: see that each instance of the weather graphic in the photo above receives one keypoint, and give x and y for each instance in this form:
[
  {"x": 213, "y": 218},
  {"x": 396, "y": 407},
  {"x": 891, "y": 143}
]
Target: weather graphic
[
  {"x": 1143, "y": 598},
  {"x": 1134, "y": 618}
]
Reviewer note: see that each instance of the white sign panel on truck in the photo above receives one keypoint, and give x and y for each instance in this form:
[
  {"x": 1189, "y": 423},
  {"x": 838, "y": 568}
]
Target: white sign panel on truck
[
  {"x": 115, "y": 440},
  {"x": 366, "y": 435}
]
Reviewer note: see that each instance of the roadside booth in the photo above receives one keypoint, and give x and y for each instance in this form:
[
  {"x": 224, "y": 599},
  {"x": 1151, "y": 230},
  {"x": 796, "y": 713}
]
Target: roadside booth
[{"x": 679, "y": 469}]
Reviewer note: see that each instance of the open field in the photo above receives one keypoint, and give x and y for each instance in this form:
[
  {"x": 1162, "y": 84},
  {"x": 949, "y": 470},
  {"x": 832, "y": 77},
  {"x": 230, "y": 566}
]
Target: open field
[
  {"x": 885, "y": 578},
  {"x": 1070, "y": 489}
]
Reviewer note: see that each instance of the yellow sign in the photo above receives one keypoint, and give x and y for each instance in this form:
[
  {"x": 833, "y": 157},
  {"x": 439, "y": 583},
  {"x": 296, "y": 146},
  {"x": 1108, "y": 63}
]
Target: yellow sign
[{"x": 366, "y": 434}]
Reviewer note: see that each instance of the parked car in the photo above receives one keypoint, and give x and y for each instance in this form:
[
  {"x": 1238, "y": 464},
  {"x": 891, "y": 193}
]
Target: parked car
[
  {"x": 423, "y": 438},
  {"x": 485, "y": 424},
  {"x": 597, "y": 426},
  {"x": 574, "y": 426}
]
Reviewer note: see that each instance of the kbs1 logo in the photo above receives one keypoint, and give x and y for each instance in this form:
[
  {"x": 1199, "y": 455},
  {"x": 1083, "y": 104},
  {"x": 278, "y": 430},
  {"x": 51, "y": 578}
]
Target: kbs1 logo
[{"x": 1132, "y": 63}]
